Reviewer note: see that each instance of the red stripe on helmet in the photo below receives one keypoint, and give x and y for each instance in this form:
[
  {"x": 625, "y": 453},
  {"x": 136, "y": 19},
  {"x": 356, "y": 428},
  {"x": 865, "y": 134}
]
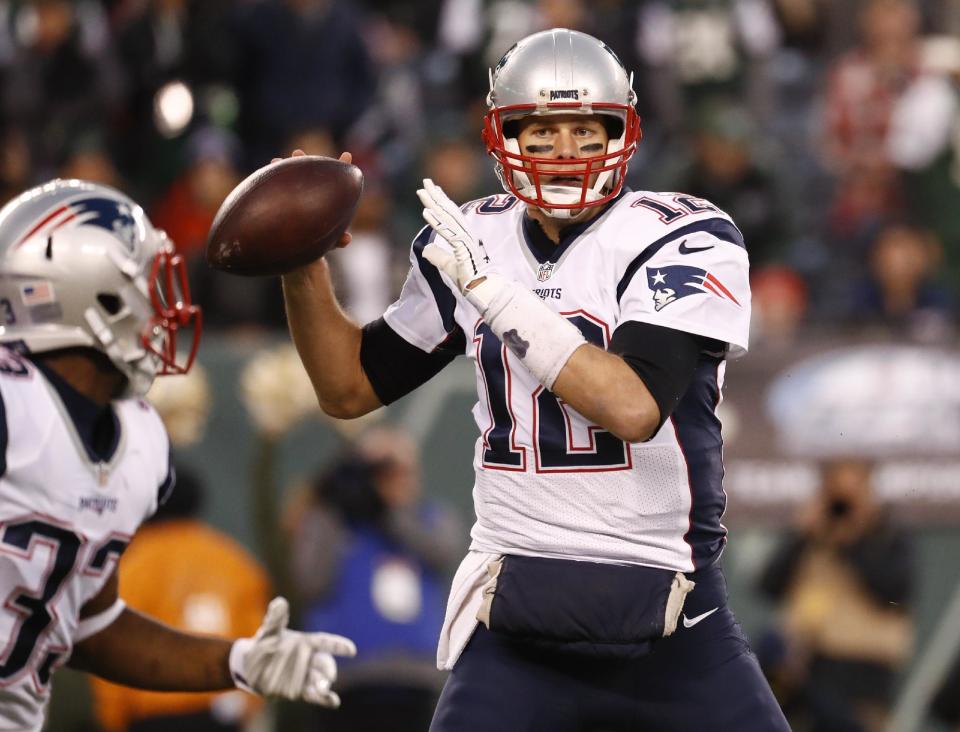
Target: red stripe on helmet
[{"x": 43, "y": 222}]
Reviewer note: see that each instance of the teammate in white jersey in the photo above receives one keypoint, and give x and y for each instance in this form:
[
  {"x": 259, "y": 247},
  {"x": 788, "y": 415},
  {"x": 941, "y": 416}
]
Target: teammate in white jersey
[
  {"x": 93, "y": 301},
  {"x": 599, "y": 321}
]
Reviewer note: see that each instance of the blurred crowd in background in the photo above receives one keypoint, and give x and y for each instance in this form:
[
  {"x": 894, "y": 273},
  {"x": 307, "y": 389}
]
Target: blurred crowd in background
[{"x": 828, "y": 129}]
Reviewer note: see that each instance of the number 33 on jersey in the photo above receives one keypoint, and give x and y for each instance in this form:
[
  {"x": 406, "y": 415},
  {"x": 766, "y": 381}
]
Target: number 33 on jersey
[
  {"x": 665, "y": 259},
  {"x": 65, "y": 520}
]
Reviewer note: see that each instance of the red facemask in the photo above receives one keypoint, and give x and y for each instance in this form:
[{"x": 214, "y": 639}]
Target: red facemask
[
  {"x": 537, "y": 169},
  {"x": 173, "y": 314}
]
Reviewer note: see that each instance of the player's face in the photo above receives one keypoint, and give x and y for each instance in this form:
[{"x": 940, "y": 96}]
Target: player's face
[{"x": 563, "y": 137}]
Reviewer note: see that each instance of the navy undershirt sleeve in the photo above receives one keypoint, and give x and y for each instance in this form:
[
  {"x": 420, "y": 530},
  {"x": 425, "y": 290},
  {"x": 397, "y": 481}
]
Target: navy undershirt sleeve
[
  {"x": 3, "y": 437},
  {"x": 395, "y": 367},
  {"x": 665, "y": 359}
]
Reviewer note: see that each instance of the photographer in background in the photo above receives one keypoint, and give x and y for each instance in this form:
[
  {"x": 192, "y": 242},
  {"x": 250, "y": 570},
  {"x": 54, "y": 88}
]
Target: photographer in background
[
  {"x": 843, "y": 581},
  {"x": 371, "y": 554}
]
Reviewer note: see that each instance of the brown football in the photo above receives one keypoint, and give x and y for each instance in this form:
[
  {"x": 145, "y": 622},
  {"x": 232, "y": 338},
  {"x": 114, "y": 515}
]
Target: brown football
[{"x": 284, "y": 215}]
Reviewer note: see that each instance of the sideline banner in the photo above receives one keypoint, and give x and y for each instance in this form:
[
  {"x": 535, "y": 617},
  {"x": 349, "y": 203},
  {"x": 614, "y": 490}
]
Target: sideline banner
[{"x": 895, "y": 404}]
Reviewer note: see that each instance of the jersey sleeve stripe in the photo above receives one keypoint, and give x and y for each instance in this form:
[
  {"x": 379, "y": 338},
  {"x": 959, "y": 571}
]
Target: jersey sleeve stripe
[
  {"x": 721, "y": 229},
  {"x": 3, "y": 437},
  {"x": 446, "y": 302}
]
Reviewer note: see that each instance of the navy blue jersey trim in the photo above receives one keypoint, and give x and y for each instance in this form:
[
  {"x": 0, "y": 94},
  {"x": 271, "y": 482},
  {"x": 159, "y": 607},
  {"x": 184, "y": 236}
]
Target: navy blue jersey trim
[
  {"x": 543, "y": 249},
  {"x": 446, "y": 302},
  {"x": 697, "y": 428},
  {"x": 165, "y": 490},
  {"x": 98, "y": 427},
  {"x": 721, "y": 229},
  {"x": 540, "y": 245},
  {"x": 3, "y": 437}
]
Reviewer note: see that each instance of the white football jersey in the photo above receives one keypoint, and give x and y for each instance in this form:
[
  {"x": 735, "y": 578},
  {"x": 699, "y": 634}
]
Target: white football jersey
[
  {"x": 549, "y": 483},
  {"x": 65, "y": 519}
]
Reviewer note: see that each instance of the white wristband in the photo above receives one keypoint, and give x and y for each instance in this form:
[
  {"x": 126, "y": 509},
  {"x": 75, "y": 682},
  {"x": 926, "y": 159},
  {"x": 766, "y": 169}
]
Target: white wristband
[
  {"x": 238, "y": 652},
  {"x": 95, "y": 623},
  {"x": 539, "y": 337}
]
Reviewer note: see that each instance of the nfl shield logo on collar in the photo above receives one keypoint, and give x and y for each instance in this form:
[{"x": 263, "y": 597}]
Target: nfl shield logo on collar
[{"x": 546, "y": 269}]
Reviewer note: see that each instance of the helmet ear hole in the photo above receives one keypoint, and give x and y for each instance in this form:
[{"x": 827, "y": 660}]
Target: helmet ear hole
[
  {"x": 109, "y": 302},
  {"x": 613, "y": 125}
]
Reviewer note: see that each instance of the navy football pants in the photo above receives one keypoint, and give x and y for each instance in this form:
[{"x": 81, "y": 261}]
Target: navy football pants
[{"x": 700, "y": 679}]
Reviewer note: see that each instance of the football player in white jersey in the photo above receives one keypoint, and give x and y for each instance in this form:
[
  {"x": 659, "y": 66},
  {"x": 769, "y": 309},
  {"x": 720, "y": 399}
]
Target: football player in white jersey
[
  {"x": 599, "y": 320},
  {"x": 93, "y": 302}
]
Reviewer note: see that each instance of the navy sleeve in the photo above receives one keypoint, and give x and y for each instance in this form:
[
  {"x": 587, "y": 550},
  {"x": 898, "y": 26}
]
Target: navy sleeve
[
  {"x": 395, "y": 367},
  {"x": 3, "y": 437},
  {"x": 665, "y": 359}
]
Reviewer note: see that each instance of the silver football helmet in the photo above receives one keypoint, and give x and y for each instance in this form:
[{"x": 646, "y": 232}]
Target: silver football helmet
[
  {"x": 561, "y": 71},
  {"x": 81, "y": 265}
]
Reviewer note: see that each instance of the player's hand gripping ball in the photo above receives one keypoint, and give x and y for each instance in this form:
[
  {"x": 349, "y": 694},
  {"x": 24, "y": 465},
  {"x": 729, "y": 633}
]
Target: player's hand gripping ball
[{"x": 284, "y": 215}]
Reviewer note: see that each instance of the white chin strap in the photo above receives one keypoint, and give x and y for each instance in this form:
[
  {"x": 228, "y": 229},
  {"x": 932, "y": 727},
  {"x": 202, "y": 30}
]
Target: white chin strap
[
  {"x": 563, "y": 195},
  {"x": 132, "y": 360},
  {"x": 140, "y": 379}
]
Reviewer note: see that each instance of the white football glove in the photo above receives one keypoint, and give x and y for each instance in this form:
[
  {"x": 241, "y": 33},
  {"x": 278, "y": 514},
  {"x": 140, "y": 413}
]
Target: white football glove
[
  {"x": 288, "y": 663},
  {"x": 469, "y": 260},
  {"x": 537, "y": 335}
]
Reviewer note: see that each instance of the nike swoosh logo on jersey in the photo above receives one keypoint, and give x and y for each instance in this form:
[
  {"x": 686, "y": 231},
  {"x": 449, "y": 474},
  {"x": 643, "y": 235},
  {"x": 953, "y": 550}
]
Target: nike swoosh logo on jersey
[
  {"x": 690, "y": 622},
  {"x": 684, "y": 249}
]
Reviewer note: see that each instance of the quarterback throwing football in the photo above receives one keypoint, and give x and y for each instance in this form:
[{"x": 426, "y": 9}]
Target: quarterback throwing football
[
  {"x": 92, "y": 302},
  {"x": 599, "y": 320}
]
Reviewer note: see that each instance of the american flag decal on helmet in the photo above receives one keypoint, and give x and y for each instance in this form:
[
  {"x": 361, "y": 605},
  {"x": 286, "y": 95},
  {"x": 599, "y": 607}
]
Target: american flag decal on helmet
[
  {"x": 37, "y": 293},
  {"x": 671, "y": 283}
]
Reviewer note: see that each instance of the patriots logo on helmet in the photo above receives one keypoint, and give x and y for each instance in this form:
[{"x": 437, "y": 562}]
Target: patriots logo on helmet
[
  {"x": 671, "y": 283},
  {"x": 114, "y": 216}
]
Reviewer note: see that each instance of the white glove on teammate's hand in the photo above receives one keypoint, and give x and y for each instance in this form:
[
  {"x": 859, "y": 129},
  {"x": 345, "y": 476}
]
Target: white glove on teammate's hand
[
  {"x": 469, "y": 260},
  {"x": 288, "y": 663}
]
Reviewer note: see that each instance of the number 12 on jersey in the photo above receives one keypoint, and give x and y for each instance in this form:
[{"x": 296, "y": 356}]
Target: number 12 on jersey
[{"x": 561, "y": 439}]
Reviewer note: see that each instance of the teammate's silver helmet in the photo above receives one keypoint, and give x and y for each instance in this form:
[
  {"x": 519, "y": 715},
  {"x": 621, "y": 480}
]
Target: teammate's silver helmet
[
  {"x": 561, "y": 71},
  {"x": 81, "y": 265}
]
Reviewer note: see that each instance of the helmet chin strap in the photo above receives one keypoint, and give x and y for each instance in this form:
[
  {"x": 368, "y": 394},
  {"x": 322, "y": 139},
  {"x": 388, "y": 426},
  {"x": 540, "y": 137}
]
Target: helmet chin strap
[
  {"x": 612, "y": 147},
  {"x": 520, "y": 180},
  {"x": 140, "y": 379},
  {"x": 560, "y": 194},
  {"x": 138, "y": 365}
]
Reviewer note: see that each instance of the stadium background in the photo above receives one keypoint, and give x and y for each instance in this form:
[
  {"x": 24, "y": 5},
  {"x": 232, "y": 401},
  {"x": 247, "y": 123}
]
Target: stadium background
[{"x": 805, "y": 119}]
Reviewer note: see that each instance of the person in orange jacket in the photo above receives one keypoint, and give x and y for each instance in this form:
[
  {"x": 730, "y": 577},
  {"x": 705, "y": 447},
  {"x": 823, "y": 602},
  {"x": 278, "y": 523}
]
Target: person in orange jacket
[{"x": 193, "y": 577}]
